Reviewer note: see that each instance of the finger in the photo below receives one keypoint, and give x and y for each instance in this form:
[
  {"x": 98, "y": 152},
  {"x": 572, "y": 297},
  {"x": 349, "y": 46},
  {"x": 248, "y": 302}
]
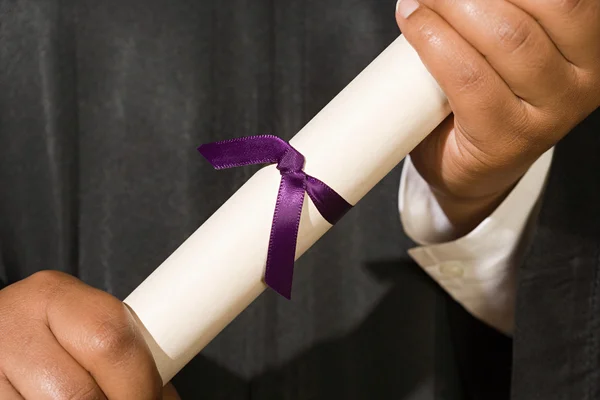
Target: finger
[
  {"x": 514, "y": 44},
  {"x": 39, "y": 368},
  {"x": 100, "y": 333},
  {"x": 473, "y": 88},
  {"x": 573, "y": 25},
  {"x": 8, "y": 392}
]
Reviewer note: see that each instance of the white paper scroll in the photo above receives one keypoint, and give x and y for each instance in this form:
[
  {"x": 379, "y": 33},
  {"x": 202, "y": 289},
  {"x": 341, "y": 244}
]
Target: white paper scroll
[{"x": 350, "y": 145}]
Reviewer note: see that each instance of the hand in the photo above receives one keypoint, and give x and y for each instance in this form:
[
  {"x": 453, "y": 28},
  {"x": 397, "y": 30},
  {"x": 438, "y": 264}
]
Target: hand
[
  {"x": 519, "y": 75},
  {"x": 61, "y": 339}
]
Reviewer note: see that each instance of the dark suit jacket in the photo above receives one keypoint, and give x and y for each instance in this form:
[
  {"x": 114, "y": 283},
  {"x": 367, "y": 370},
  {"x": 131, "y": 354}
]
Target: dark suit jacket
[
  {"x": 558, "y": 315},
  {"x": 102, "y": 104}
]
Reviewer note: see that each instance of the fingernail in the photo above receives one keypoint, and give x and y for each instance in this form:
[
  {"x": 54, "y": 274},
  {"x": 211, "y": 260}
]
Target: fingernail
[{"x": 406, "y": 7}]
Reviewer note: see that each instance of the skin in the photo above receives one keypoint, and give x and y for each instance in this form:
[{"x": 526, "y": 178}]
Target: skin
[
  {"x": 519, "y": 75},
  {"x": 62, "y": 339}
]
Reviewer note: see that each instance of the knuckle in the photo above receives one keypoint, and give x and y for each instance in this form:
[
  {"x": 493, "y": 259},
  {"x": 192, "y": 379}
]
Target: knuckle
[
  {"x": 513, "y": 35},
  {"x": 585, "y": 91},
  {"x": 49, "y": 284},
  {"x": 470, "y": 78},
  {"x": 543, "y": 129},
  {"x": 566, "y": 6},
  {"x": 114, "y": 335},
  {"x": 48, "y": 277},
  {"x": 88, "y": 391}
]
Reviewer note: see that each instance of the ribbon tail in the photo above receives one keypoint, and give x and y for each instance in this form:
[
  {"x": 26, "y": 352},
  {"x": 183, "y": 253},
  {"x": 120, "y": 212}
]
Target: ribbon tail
[
  {"x": 284, "y": 234},
  {"x": 330, "y": 204}
]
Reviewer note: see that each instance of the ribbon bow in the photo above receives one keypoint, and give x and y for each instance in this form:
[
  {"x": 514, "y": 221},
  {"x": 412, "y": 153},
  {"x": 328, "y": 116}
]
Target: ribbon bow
[{"x": 268, "y": 149}]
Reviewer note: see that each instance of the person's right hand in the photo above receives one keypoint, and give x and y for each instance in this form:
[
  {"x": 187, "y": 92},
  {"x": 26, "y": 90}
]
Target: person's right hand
[{"x": 61, "y": 339}]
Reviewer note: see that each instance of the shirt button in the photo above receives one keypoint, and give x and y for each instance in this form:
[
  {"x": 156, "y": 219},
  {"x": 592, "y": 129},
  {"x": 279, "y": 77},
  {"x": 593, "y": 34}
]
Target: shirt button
[{"x": 452, "y": 269}]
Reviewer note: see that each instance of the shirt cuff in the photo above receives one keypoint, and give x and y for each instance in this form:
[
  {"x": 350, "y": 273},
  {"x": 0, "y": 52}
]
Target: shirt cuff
[{"x": 478, "y": 270}]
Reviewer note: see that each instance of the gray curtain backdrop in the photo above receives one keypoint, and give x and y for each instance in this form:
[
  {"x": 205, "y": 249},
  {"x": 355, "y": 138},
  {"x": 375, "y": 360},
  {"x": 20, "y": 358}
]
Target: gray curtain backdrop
[{"x": 102, "y": 106}]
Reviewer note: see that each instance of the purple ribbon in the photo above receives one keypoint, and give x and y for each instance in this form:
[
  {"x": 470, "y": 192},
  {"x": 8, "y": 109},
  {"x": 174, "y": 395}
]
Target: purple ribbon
[{"x": 268, "y": 149}]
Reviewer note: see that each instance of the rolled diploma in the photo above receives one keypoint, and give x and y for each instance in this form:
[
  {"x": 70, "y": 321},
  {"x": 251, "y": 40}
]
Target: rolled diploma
[{"x": 351, "y": 145}]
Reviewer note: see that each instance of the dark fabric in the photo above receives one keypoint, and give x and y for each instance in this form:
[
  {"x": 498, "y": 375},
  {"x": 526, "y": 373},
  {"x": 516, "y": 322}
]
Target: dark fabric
[
  {"x": 557, "y": 338},
  {"x": 483, "y": 356},
  {"x": 102, "y": 106}
]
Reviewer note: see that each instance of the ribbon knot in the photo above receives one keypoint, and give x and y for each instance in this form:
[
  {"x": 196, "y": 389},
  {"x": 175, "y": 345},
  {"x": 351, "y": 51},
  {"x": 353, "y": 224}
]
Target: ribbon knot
[
  {"x": 291, "y": 161},
  {"x": 268, "y": 149}
]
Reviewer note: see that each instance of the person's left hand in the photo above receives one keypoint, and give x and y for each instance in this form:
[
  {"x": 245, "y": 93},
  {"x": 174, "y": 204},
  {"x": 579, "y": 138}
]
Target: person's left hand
[{"x": 519, "y": 75}]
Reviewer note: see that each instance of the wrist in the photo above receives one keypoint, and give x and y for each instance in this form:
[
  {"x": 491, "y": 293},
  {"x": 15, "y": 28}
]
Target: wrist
[
  {"x": 467, "y": 189},
  {"x": 466, "y": 213}
]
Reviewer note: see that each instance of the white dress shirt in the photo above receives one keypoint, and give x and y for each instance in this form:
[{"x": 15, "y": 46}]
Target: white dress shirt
[{"x": 478, "y": 270}]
